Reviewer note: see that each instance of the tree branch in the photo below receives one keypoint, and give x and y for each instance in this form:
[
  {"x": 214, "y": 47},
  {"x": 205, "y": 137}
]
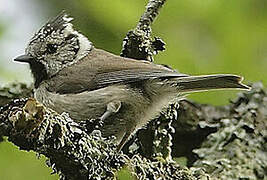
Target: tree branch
[
  {"x": 71, "y": 151},
  {"x": 138, "y": 43}
]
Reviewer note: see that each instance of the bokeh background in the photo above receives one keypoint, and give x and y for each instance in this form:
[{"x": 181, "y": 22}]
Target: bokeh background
[{"x": 202, "y": 37}]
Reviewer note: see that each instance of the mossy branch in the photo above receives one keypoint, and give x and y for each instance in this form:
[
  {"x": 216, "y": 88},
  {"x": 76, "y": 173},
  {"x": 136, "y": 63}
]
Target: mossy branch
[{"x": 138, "y": 43}]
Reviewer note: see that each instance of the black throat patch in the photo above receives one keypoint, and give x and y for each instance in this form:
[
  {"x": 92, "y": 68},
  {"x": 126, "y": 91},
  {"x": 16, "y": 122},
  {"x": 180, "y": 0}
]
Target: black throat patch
[{"x": 39, "y": 73}]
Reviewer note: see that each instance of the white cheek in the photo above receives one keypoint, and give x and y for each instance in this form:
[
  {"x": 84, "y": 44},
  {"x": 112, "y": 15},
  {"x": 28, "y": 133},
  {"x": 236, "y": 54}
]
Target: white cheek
[{"x": 85, "y": 45}]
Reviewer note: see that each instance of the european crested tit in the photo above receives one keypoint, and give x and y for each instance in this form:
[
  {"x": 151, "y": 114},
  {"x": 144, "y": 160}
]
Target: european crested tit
[{"x": 70, "y": 75}]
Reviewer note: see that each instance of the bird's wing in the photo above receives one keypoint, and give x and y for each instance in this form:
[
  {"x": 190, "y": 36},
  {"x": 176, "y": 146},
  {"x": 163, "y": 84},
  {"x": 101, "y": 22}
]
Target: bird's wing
[
  {"x": 101, "y": 69},
  {"x": 131, "y": 76}
]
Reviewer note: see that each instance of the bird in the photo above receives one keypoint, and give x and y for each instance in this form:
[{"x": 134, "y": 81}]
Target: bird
[{"x": 121, "y": 94}]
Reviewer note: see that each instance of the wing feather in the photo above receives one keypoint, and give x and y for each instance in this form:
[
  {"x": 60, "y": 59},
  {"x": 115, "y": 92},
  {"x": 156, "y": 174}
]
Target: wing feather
[
  {"x": 132, "y": 75},
  {"x": 100, "y": 69}
]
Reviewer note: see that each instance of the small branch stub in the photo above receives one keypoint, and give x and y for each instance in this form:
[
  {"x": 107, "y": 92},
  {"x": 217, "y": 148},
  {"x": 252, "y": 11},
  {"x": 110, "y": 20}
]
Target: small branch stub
[{"x": 138, "y": 43}]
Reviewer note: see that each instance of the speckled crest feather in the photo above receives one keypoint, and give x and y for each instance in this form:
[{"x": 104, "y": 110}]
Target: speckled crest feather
[
  {"x": 57, "y": 23},
  {"x": 60, "y": 21}
]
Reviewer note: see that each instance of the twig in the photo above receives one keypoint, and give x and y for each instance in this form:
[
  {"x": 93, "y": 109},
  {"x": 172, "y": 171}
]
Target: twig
[{"x": 138, "y": 43}]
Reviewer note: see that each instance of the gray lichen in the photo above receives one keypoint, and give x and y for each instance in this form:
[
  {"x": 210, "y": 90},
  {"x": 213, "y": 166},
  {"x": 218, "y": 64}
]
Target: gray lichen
[
  {"x": 138, "y": 43},
  {"x": 147, "y": 169},
  {"x": 238, "y": 149}
]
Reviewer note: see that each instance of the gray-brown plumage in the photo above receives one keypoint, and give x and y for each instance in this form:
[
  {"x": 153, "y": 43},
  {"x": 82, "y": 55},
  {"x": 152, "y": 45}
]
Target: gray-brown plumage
[{"x": 72, "y": 76}]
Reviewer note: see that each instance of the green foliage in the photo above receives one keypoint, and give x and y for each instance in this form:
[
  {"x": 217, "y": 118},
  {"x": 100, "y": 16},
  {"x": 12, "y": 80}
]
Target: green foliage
[
  {"x": 16, "y": 164},
  {"x": 1, "y": 30}
]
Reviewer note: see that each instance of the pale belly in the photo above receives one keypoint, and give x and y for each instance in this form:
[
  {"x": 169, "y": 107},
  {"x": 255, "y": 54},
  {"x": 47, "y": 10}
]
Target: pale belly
[{"x": 136, "y": 109}]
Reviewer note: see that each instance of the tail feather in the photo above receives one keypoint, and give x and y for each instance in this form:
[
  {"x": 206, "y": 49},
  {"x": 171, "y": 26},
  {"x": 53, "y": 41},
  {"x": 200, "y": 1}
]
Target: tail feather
[{"x": 207, "y": 82}]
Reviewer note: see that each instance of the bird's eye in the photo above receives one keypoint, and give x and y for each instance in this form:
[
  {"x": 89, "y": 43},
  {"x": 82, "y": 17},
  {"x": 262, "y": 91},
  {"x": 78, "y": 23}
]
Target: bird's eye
[{"x": 51, "y": 48}]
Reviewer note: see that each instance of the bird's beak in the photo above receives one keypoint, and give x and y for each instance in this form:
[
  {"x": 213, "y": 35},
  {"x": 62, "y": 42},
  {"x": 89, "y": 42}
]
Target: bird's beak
[{"x": 24, "y": 58}]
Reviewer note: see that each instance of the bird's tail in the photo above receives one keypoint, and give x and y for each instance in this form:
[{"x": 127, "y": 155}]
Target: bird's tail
[{"x": 207, "y": 82}]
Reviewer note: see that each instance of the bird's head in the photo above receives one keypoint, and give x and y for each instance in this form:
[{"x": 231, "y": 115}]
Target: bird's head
[{"x": 55, "y": 46}]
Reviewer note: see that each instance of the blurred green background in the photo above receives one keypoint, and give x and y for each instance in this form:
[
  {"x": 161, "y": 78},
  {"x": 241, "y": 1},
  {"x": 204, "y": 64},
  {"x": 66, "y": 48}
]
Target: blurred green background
[{"x": 202, "y": 37}]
